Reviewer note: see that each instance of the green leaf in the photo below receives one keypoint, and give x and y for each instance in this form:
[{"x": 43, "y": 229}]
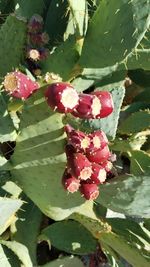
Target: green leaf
[
  {"x": 138, "y": 121},
  {"x": 12, "y": 41},
  {"x": 127, "y": 194},
  {"x": 39, "y": 160},
  {"x": 8, "y": 207},
  {"x": 20, "y": 250},
  {"x": 7, "y": 129},
  {"x": 140, "y": 163},
  {"x": 29, "y": 219},
  {"x": 66, "y": 262},
  {"x": 71, "y": 237},
  {"x": 113, "y": 33},
  {"x": 109, "y": 124}
]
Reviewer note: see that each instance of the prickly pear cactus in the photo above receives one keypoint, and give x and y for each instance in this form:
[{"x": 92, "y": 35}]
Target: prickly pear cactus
[{"x": 74, "y": 132}]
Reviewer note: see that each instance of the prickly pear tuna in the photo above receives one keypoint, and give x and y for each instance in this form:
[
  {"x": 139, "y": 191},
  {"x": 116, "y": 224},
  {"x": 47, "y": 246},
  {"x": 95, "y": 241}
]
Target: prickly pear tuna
[
  {"x": 62, "y": 97},
  {"x": 89, "y": 191},
  {"x": 78, "y": 164},
  {"x": 70, "y": 183},
  {"x": 89, "y": 107},
  {"x": 99, "y": 155},
  {"x": 79, "y": 140},
  {"x": 106, "y": 101},
  {"x": 19, "y": 85}
]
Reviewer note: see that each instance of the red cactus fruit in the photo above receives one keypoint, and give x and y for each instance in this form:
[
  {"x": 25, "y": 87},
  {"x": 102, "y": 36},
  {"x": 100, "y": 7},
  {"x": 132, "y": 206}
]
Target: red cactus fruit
[
  {"x": 106, "y": 101},
  {"x": 98, "y": 140},
  {"x": 99, "y": 155},
  {"x": 19, "y": 85},
  {"x": 79, "y": 140},
  {"x": 89, "y": 191},
  {"x": 89, "y": 107},
  {"x": 99, "y": 174},
  {"x": 78, "y": 164},
  {"x": 70, "y": 183},
  {"x": 107, "y": 165},
  {"x": 62, "y": 97},
  {"x": 35, "y": 24}
]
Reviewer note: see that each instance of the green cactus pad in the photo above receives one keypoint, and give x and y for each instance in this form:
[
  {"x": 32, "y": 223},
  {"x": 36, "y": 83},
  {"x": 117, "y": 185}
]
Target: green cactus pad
[
  {"x": 121, "y": 26},
  {"x": 119, "y": 239},
  {"x": 78, "y": 20},
  {"x": 63, "y": 60},
  {"x": 127, "y": 194},
  {"x": 8, "y": 207},
  {"x": 28, "y": 8},
  {"x": 74, "y": 239},
  {"x": 136, "y": 122},
  {"x": 39, "y": 160},
  {"x": 7, "y": 129},
  {"x": 12, "y": 41}
]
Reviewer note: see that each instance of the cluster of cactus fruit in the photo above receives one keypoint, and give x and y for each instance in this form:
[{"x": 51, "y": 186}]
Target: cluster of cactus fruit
[
  {"x": 88, "y": 162},
  {"x": 63, "y": 98},
  {"x": 36, "y": 40},
  {"x": 88, "y": 155}
]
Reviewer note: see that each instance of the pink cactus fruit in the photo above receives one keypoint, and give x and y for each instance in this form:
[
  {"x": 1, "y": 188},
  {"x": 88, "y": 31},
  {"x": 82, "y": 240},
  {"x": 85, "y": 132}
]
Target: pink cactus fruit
[
  {"x": 99, "y": 174},
  {"x": 89, "y": 191},
  {"x": 99, "y": 155},
  {"x": 35, "y": 24},
  {"x": 70, "y": 183},
  {"x": 106, "y": 101},
  {"x": 98, "y": 140},
  {"x": 62, "y": 97},
  {"x": 89, "y": 107},
  {"x": 78, "y": 164},
  {"x": 19, "y": 85},
  {"x": 107, "y": 165},
  {"x": 79, "y": 140}
]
